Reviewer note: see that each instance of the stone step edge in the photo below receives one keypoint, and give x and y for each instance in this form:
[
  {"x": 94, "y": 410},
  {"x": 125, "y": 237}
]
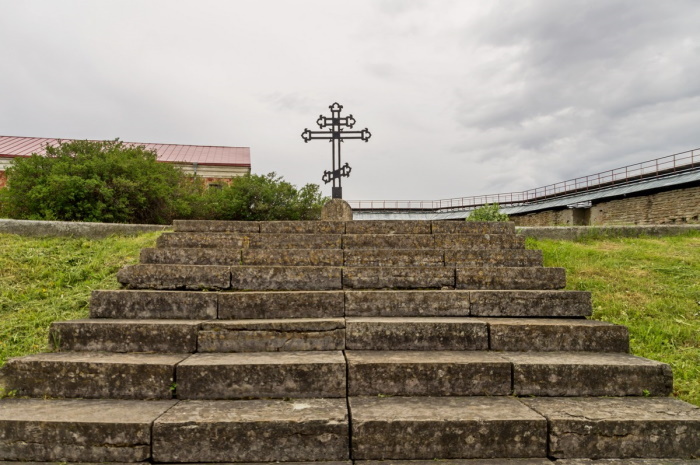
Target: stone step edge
[
  {"x": 340, "y": 303},
  {"x": 260, "y": 278},
  {"x": 343, "y": 257},
  {"x": 340, "y": 374},
  {"x": 189, "y": 336},
  {"x": 339, "y": 227},
  {"x": 554, "y": 423}
]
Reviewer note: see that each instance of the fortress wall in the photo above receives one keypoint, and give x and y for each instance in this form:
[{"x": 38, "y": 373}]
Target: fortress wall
[{"x": 680, "y": 206}]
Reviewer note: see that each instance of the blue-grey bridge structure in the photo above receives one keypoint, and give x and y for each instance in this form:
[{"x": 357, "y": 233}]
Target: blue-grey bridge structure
[{"x": 676, "y": 171}]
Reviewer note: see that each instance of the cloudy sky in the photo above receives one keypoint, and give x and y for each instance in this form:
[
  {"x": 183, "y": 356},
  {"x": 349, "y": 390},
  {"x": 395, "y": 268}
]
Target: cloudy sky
[{"x": 462, "y": 97}]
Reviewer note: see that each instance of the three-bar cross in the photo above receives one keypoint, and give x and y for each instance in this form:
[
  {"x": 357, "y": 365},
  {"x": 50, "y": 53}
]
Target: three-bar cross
[{"x": 336, "y": 134}]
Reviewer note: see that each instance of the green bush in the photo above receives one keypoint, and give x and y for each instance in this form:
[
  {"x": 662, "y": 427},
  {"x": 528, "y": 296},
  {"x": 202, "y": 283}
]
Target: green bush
[
  {"x": 262, "y": 198},
  {"x": 115, "y": 183},
  {"x": 104, "y": 181},
  {"x": 488, "y": 212}
]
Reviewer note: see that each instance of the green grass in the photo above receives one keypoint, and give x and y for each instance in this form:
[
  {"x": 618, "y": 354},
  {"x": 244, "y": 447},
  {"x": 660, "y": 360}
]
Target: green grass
[
  {"x": 50, "y": 279},
  {"x": 650, "y": 285}
]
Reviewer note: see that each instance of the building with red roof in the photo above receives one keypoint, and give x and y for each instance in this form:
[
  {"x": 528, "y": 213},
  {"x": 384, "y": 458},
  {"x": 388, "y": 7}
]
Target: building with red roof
[{"x": 217, "y": 165}]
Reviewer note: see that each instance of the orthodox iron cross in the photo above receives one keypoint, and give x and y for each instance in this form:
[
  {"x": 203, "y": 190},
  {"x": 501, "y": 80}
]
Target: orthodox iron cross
[{"x": 336, "y": 134}]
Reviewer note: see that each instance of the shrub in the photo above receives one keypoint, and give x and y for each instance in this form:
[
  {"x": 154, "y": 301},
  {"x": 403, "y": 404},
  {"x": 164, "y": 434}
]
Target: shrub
[
  {"x": 104, "y": 181},
  {"x": 488, "y": 212},
  {"x": 262, "y": 198}
]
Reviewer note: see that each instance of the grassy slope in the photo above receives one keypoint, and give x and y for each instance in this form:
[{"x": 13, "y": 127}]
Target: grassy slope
[
  {"x": 44, "y": 280},
  {"x": 650, "y": 285}
]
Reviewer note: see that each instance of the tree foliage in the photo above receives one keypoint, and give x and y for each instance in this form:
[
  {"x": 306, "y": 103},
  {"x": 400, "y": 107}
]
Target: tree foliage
[
  {"x": 94, "y": 181},
  {"x": 263, "y": 198},
  {"x": 109, "y": 181},
  {"x": 488, "y": 212}
]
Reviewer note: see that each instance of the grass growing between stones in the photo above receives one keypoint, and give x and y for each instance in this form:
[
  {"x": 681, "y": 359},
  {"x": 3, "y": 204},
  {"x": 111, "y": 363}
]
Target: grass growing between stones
[
  {"x": 650, "y": 285},
  {"x": 50, "y": 279}
]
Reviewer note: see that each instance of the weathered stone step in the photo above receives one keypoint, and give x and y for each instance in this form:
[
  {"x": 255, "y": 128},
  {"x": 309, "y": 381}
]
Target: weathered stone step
[
  {"x": 316, "y": 278},
  {"x": 262, "y": 375},
  {"x": 191, "y": 277},
  {"x": 475, "y": 333},
  {"x": 472, "y": 278},
  {"x": 588, "y": 374},
  {"x": 437, "y": 373},
  {"x": 253, "y": 431},
  {"x": 428, "y": 428},
  {"x": 340, "y": 227},
  {"x": 535, "y": 461},
  {"x": 212, "y": 305},
  {"x": 302, "y": 334},
  {"x": 441, "y": 373},
  {"x": 236, "y": 241},
  {"x": 148, "y": 304},
  {"x": 337, "y": 257},
  {"x": 433, "y": 241},
  {"x": 78, "y": 430},
  {"x": 249, "y": 241},
  {"x": 92, "y": 375},
  {"x": 510, "y": 278},
  {"x": 280, "y": 335},
  {"x": 124, "y": 335},
  {"x": 555, "y": 334},
  {"x": 619, "y": 428},
  {"x": 424, "y": 333}
]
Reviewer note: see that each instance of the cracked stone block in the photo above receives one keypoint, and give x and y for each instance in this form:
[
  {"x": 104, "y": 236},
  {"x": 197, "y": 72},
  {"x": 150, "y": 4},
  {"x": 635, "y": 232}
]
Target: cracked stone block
[
  {"x": 388, "y": 241},
  {"x": 434, "y": 373},
  {"x": 398, "y": 277},
  {"x": 497, "y": 257},
  {"x": 293, "y": 257},
  {"x": 284, "y": 335},
  {"x": 510, "y": 278},
  {"x": 281, "y": 304},
  {"x": 253, "y": 431},
  {"x": 113, "y": 335},
  {"x": 394, "y": 257},
  {"x": 153, "y": 304},
  {"x": 222, "y": 240},
  {"x": 92, "y": 375},
  {"x": 426, "y": 333},
  {"x": 426, "y": 428},
  {"x": 262, "y": 375},
  {"x": 287, "y": 278},
  {"x": 625, "y": 427},
  {"x": 78, "y": 430},
  {"x": 556, "y": 334},
  {"x": 190, "y": 277},
  {"x": 532, "y": 303},
  {"x": 587, "y": 374},
  {"x": 191, "y": 256},
  {"x": 407, "y": 303}
]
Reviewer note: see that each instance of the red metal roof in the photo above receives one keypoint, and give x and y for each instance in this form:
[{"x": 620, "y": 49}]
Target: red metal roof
[{"x": 11, "y": 146}]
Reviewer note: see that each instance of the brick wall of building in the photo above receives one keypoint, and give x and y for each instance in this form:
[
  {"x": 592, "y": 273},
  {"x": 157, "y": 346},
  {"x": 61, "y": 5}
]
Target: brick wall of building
[
  {"x": 678, "y": 206},
  {"x": 3, "y": 179}
]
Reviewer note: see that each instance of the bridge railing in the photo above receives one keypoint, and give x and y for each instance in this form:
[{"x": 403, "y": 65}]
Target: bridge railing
[{"x": 656, "y": 168}]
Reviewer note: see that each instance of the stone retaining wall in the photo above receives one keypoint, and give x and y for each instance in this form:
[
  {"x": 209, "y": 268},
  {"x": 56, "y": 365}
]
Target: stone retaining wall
[
  {"x": 680, "y": 206},
  {"x": 76, "y": 229}
]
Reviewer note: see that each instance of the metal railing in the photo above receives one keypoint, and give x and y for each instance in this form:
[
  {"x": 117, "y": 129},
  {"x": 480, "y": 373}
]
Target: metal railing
[{"x": 646, "y": 170}]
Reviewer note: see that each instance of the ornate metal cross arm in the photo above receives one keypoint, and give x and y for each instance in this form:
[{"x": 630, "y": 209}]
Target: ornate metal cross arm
[{"x": 336, "y": 134}]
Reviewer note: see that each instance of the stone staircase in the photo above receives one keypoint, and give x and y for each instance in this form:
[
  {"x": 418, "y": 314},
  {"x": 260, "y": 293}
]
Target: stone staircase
[{"x": 337, "y": 341}]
